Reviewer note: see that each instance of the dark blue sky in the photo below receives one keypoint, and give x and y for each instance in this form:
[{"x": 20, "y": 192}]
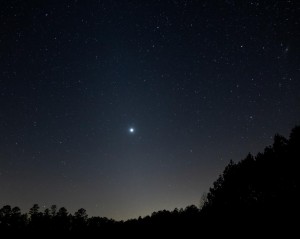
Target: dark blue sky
[{"x": 201, "y": 82}]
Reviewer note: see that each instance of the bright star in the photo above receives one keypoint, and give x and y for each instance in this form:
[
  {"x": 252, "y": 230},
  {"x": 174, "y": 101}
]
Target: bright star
[{"x": 131, "y": 130}]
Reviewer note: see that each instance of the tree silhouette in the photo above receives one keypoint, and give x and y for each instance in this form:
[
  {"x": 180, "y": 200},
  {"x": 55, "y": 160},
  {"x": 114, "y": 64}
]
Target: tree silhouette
[
  {"x": 34, "y": 210},
  {"x": 259, "y": 189},
  {"x": 53, "y": 210},
  {"x": 62, "y": 220},
  {"x": 5, "y": 216},
  {"x": 18, "y": 221},
  {"x": 79, "y": 223}
]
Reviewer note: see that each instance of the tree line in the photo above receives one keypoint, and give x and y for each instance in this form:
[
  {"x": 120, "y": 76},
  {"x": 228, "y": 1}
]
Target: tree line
[
  {"x": 251, "y": 194},
  {"x": 54, "y": 220}
]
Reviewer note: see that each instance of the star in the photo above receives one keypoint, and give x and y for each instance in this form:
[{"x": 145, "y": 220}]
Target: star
[{"x": 131, "y": 130}]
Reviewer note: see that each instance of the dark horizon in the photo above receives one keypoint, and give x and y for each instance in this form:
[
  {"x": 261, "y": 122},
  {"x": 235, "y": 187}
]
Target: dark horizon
[{"x": 129, "y": 107}]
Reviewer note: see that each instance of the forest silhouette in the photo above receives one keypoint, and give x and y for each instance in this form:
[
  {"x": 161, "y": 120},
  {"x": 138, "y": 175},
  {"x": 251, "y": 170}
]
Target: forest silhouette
[{"x": 257, "y": 193}]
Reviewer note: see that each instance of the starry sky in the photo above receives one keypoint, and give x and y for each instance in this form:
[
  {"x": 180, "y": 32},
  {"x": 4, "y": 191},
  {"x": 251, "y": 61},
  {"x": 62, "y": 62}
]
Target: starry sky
[{"x": 125, "y": 107}]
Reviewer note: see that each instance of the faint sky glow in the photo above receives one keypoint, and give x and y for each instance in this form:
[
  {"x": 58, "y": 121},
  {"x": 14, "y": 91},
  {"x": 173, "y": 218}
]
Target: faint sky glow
[{"x": 128, "y": 107}]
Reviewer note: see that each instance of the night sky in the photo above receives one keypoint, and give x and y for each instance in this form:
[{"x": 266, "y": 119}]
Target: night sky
[{"x": 129, "y": 107}]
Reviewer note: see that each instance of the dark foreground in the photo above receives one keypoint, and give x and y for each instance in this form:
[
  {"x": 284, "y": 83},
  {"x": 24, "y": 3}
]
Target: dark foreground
[{"x": 257, "y": 196}]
